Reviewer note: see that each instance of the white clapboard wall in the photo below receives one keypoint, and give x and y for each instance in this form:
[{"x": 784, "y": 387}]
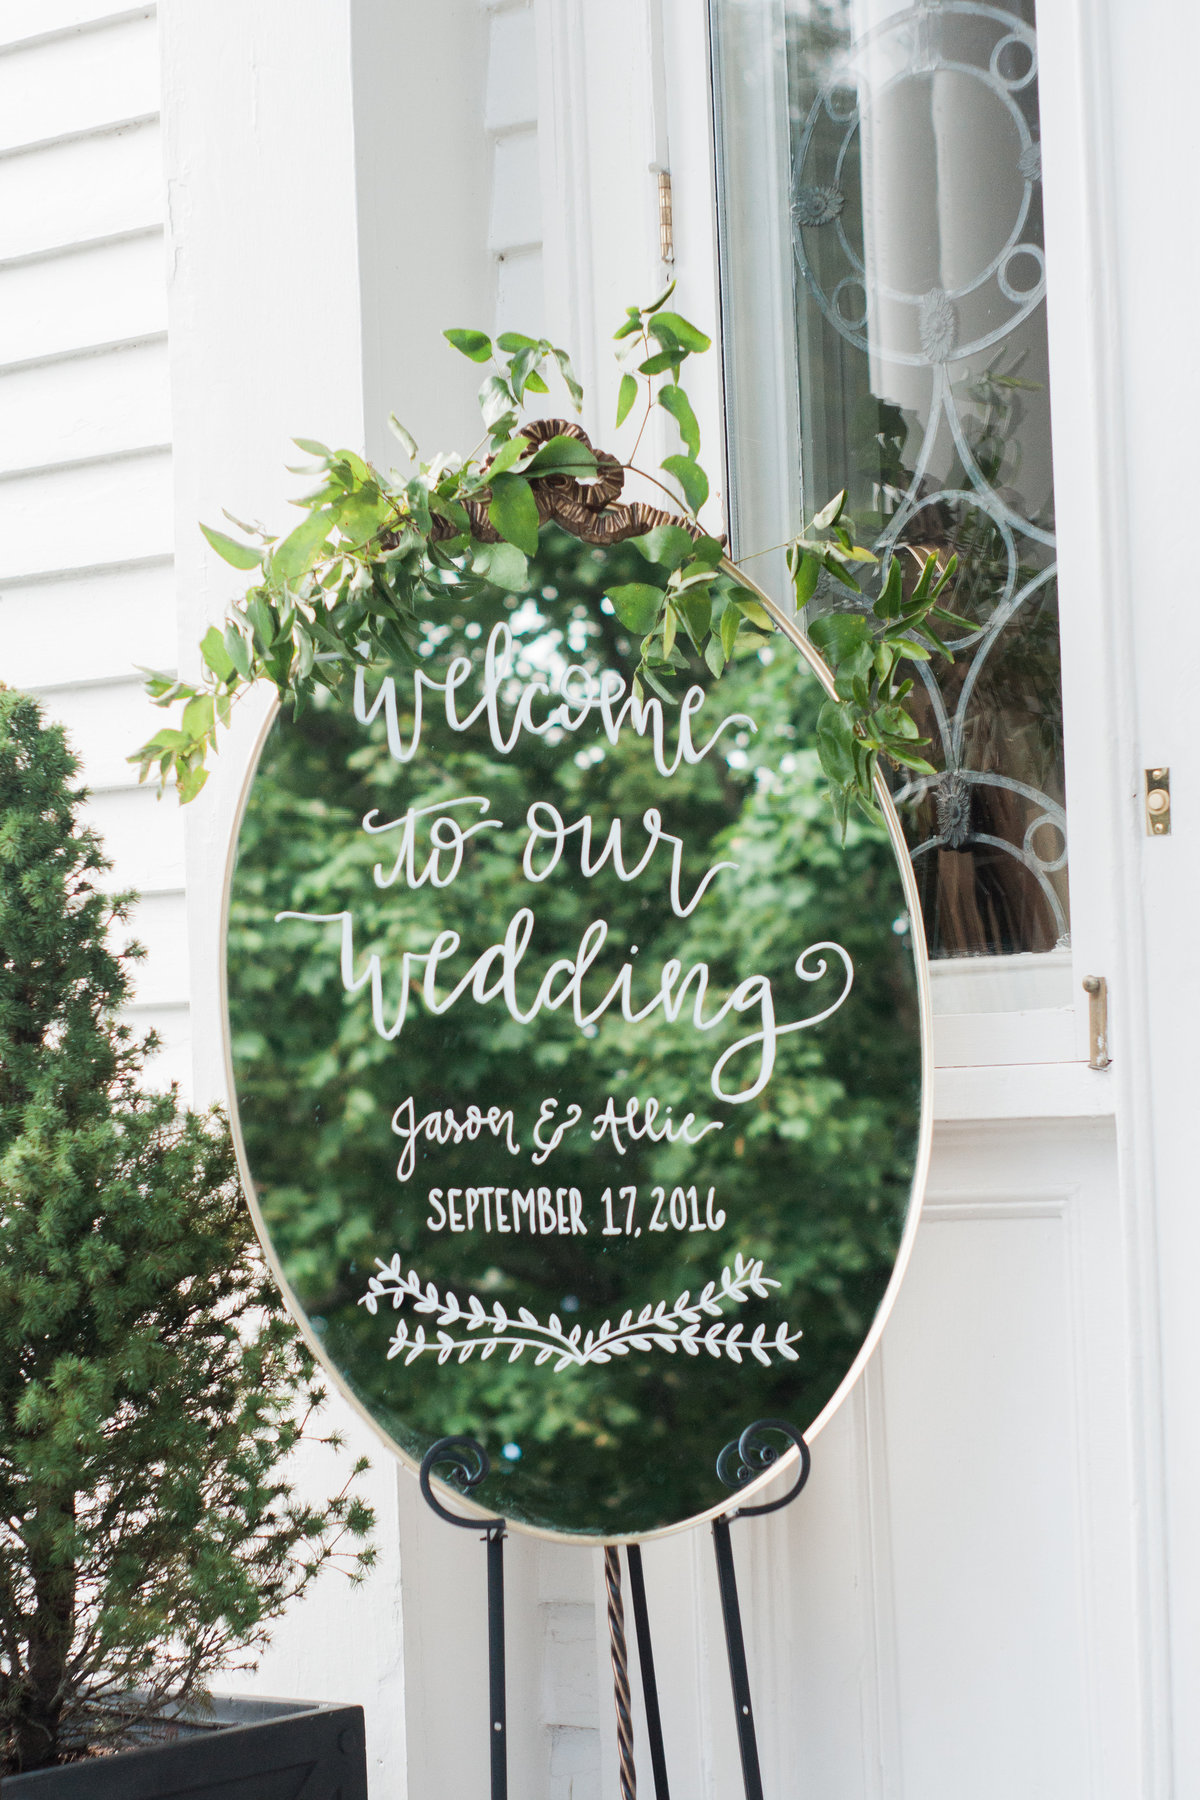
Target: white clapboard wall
[{"x": 86, "y": 508}]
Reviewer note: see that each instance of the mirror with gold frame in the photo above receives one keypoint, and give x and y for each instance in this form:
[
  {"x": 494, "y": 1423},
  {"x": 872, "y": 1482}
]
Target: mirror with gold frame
[{"x": 580, "y": 1069}]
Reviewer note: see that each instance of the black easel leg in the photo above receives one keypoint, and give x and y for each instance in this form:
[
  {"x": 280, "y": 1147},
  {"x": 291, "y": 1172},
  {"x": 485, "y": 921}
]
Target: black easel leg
[
  {"x": 641, "y": 1620},
  {"x": 497, "y": 1715},
  {"x": 739, "y": 1675}
]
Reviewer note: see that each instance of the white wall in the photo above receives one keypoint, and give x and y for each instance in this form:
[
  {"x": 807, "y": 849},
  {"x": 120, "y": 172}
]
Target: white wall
[{"x": 86, "y": 504}]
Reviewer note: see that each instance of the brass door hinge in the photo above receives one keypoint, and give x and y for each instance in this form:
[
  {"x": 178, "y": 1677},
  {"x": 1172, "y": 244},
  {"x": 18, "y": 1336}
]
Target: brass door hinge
[
  {"x": 1096, "y": 989},
  {"x": 666, "y": 222}
]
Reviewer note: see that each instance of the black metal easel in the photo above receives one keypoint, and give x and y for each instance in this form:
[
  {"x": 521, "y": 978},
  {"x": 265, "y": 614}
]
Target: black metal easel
[
  {"x": 463, "y": 1464},
  {"x": 467, "y": 1464}
]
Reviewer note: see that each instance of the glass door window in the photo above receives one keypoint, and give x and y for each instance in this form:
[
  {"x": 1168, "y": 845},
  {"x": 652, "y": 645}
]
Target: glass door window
[{"x": 883, "y": 295}]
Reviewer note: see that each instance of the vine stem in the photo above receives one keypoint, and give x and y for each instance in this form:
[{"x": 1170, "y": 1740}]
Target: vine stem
[{"x": 632, "y": 468}]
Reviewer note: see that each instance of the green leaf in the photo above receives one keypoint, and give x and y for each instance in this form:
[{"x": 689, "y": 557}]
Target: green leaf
[
  {"x": 212, "y": 649},
  {"x": 708, "y": 551},
  {"x": 946, "y": 577},
  {"x": 891, "y": 598},
  {"x": 496, "y": 403},
  {"x": 197, "y": 720},
  {"x": 835, "y": 743},
  {"x": 689, "y": 335},
  {"x": 166, "y": 739},
  {"x": 839, "y": 636},
  {"x": 691, "y": 478},
  {"x": 656, "y": 305},
  {"x": 714, "y": 654},
  {"x": 695, "y": 609},
  {"x": 300, "y": 548},
  {"x": 637, "y": 605},
  {"x": 449, "y": 508},
  {"x": 907, "y": 646},
  {"x": 731, "y": 619},
  {"x": 311, "y": 447},
  {"x": 239, "y": 651},
  {"x": 262, "y": 622},
  {"x": 513, "y": 511},
  {"x": 830, "y": 514},
  {"x": 357, "y": 467},
  {"x": 512, "y": 341},
  {"x": 806, "y": 577},
  {"x": 626, "y": 396},
  {"x": 475, "y": 344},
  {"x": 658, "y": 363},
  {"x": 523, "y": 366},
  {"x": 360, "y": 515},
  {"x": 893, "y": 721},
  {"x": 507, "y": 455},
  {"x": 756, "y": 613},
  {"x": 405, "y": 436},
  {"x": 664, "y": 693},
  {"x": 563, "y": 456},
  {"x": 954, "y": 620},
  {"x": 567, "y": 371},
  {"x": 503, "y": 565},
  {"x": 416, "y": 492},
  {"x": 911, "y": 761},
  {"x": 921, "y": 592},
  {"x": 668, "y": 545},
  {"x": 839, "y": 574},
  {"x": 189, "y": 781},
  {"x": 669, "y": 629},
  {"x": 240, "y": 556},
  {"x": 673, "y": 400}
]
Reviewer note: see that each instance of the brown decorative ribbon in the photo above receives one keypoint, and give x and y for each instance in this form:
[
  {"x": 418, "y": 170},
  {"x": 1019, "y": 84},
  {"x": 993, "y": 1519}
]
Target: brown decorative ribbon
[
  {"x": 590, "y": 510},
  {"x": 620, "y": 1662}
]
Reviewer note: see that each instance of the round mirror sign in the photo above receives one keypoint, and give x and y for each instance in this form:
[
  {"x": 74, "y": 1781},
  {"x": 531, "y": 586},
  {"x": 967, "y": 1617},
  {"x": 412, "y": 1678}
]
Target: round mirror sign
[{"x": 578, "y": 1065}]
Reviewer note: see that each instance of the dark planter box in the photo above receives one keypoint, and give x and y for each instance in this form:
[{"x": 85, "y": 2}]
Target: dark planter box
[{"x": 242, "y": 1750}]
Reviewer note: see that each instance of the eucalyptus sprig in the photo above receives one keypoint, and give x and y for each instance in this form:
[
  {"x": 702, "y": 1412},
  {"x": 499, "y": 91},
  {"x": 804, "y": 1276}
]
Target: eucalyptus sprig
[
  {"x": 865, "y": 650},
  {"x": 348, "y": 584}
]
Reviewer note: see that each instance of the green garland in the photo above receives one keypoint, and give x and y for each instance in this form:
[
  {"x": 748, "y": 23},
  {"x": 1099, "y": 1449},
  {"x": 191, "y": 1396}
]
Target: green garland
[{"x": 348, "y": 583}]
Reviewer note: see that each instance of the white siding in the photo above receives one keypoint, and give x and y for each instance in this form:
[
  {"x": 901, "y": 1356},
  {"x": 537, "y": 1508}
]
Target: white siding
[
  {"x": 86, "y": 501},
  {"x": 72, "y": 84},
  {"x": 511, "y": 121}
]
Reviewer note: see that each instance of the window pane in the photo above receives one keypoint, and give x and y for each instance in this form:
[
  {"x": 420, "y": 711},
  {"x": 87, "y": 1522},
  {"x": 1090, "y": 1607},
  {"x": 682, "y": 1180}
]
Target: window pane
[{"x": 883, "y": 285}]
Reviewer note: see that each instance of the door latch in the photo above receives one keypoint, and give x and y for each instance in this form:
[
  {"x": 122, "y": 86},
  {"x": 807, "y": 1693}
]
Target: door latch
[{"x": 1158, "y": 802}]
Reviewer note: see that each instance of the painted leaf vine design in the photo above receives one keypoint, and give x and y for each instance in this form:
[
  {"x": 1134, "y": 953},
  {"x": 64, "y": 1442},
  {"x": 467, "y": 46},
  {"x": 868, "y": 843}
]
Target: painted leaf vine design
[{"x": 661, "y": 1327}]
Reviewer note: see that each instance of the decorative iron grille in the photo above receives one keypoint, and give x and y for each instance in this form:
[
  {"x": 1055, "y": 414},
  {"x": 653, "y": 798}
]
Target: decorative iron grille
[{"x": 917, "y": 292}]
